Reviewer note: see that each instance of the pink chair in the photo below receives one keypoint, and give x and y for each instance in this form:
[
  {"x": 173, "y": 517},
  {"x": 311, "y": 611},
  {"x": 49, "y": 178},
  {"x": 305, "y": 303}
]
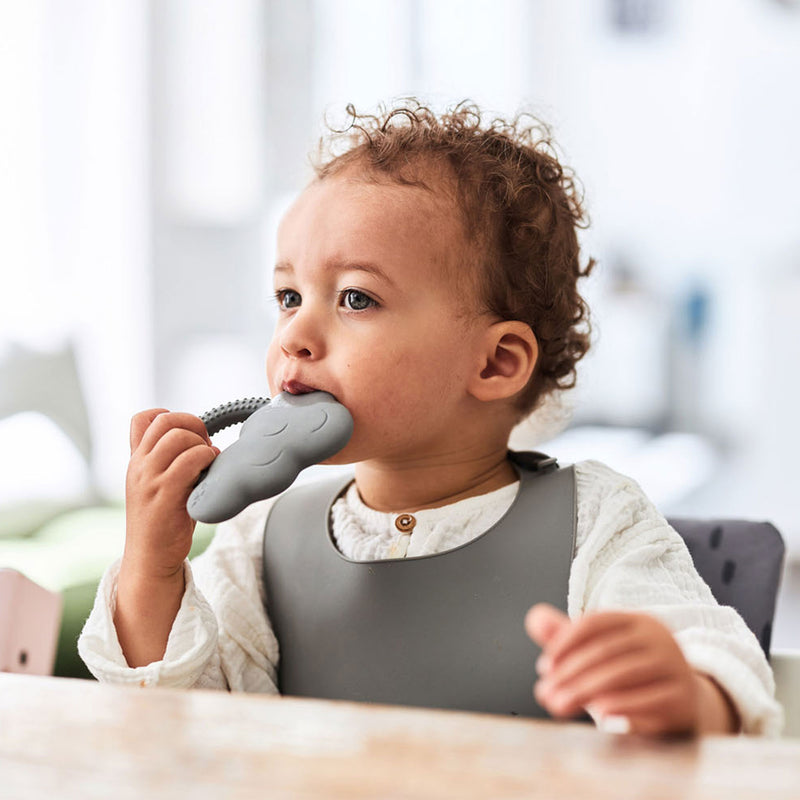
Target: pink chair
[{"x": 30, "y": 618}]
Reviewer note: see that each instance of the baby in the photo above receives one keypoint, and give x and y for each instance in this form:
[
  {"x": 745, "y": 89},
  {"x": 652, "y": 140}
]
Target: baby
[{"x": 427, "y": 279}]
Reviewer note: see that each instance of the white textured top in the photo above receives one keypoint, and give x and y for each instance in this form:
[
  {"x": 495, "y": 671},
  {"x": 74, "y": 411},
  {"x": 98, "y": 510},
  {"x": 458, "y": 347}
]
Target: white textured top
[{"x": 627, "y": 557}]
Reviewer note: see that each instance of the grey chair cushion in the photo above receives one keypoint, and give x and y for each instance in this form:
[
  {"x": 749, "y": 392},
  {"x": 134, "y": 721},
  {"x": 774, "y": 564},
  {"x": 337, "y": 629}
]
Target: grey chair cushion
[{"x": 741, "y": 561}]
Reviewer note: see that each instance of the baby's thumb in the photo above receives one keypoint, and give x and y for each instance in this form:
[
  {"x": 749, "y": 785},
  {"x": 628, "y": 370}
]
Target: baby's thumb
[{"x": 543, "y": 622}]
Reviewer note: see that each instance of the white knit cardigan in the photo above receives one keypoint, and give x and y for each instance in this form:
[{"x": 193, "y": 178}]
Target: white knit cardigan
[{"x": 627, "y": 557}]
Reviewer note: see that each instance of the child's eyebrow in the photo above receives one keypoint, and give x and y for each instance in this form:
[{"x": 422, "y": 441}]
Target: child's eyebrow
[
  {"x": 283, "y": 266},
  {"x": 343, "y": 266}
]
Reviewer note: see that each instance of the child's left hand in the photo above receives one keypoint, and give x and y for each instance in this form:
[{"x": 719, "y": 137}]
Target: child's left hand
[{"x": 617, "y": 663}]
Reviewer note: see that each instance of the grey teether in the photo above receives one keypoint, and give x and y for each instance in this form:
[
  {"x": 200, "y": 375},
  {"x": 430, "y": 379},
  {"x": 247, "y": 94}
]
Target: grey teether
[{"x": 276, "y": 442}]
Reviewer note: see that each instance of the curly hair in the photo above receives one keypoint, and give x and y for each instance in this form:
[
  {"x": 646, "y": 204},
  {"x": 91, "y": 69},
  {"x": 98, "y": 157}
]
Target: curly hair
[{"x": 520, "y": 207}]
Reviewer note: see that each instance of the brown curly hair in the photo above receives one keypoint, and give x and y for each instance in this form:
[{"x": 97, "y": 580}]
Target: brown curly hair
[{"x": 520, "y": 207}]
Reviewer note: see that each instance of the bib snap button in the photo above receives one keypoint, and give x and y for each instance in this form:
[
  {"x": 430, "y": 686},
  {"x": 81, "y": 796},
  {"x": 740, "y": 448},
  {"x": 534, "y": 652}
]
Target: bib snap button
[{"x": 405, "y": 523}]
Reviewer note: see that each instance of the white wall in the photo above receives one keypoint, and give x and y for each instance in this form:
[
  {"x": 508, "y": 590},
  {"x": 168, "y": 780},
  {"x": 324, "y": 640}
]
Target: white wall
[
  {"x": 151, "y": 147},
  {"x": 74, "y": 245}
]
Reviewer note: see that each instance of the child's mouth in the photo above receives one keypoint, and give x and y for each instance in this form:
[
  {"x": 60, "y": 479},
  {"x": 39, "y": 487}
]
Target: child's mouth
[{"x": 295, "y": 387}]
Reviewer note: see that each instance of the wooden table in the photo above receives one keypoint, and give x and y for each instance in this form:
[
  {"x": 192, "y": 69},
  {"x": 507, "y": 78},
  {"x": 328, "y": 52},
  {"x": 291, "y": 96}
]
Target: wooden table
[{"x": 62, "y": 738}]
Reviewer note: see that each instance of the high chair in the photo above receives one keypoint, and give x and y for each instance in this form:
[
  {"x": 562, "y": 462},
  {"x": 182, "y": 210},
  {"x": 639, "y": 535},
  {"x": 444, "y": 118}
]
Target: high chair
[
  {"x": 30, "y": 618},
  {"x": 742, "y": 561}
]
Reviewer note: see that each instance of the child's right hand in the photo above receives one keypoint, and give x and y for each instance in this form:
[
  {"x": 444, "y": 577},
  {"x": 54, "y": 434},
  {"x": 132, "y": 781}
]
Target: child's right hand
[{"x": 169, "y": 450}]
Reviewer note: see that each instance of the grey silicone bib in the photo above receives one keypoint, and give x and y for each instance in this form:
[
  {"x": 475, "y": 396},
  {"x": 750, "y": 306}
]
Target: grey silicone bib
[{"x": 443, "y": 631}]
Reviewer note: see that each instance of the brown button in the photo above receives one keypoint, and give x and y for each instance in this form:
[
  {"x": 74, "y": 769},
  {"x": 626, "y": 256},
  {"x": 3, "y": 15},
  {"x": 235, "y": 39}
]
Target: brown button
[{"x": 405, "y": 523}]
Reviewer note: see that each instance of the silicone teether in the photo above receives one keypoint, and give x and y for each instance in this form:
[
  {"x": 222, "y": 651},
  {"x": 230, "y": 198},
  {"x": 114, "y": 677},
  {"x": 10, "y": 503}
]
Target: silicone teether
[{"x": 276, "y": 442}]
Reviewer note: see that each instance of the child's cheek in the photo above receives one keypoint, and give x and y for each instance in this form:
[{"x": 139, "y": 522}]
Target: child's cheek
[{"x": 271, "y": 367}]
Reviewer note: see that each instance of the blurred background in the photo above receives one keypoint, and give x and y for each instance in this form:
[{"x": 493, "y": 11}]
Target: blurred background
[{"x": 147, "y": 150}]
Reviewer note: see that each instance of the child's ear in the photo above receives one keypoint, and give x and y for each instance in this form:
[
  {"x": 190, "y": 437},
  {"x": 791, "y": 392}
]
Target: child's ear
[{"x": 506, "y": 361}]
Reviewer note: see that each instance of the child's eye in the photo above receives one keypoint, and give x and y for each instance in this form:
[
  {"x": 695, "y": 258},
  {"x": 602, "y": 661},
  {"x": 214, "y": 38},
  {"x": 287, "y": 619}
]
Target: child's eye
[
  {"x": 288, "y": 298},
  {"x": 356, "y": 300}
]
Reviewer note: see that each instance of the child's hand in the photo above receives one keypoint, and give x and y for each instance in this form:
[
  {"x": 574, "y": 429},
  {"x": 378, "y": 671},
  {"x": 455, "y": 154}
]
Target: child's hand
[
  {"x": 169, "y": 450},
  {"x": 618, "y": 663}
]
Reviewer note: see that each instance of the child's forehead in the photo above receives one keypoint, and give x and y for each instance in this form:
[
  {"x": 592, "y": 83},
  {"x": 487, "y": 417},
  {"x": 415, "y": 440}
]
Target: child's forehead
[
  {"x": 376, "y": 204},
  {"x": 406, "y": 229}
]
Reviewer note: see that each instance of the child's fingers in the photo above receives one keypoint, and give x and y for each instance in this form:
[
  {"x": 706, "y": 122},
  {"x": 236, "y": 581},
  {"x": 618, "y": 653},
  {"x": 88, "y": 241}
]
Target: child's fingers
[
  {"x": 186, "y": 468},
  {"x": 171, "y": 445},
  {"x": 140, "y": 423},
  {"x": 167, "y": 421},
  {"x": 595, "y": 652},
  {"x": 650, "y": 709},
  {"x": 627, "y": 672},
  {"x": 543, "y": 622},
  {"x": 579, "y": 632}
]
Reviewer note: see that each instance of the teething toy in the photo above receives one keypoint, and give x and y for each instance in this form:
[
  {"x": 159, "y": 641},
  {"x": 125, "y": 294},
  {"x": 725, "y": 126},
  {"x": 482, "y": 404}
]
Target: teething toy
[{"x": 278, "y": 439}]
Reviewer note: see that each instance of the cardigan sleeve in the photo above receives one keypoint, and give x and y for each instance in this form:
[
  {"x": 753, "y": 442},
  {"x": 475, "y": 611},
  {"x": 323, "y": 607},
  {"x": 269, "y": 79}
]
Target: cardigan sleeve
[
  {"x": 629, "y": 557},
  {"x": 221, "y": 637}
]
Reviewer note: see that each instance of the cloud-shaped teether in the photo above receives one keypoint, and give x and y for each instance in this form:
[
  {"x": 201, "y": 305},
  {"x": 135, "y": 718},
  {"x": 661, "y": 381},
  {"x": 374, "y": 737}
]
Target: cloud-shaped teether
[{"x": 275, "y": 443}]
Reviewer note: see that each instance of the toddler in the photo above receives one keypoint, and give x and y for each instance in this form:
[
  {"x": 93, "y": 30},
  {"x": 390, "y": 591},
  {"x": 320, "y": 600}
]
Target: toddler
[{"x": 427, "y": 279}]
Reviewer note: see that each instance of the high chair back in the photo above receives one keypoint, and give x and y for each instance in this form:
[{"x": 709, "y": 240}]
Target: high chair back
[
  {"x": 30, "y": 617},
  {"x": 741, "y": 561}
]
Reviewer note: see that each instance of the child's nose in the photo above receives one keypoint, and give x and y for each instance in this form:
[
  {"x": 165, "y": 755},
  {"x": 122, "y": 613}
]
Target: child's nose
[{"x": 301, "y": 338}]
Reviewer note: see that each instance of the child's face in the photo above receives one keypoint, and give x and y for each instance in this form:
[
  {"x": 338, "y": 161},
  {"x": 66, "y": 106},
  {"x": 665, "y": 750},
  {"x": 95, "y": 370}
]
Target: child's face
[{"x": 367, "y": 312}]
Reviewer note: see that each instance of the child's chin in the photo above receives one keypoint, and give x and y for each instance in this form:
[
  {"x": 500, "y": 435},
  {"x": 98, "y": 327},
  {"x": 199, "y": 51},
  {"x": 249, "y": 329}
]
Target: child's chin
[{"x": 340, "y": 459}]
